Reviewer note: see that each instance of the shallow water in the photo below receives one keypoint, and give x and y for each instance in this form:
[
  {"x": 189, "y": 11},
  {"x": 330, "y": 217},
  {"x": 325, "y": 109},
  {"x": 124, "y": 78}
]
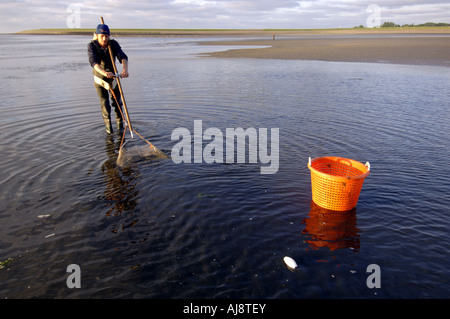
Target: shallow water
[{"x": 197, "y": 230}]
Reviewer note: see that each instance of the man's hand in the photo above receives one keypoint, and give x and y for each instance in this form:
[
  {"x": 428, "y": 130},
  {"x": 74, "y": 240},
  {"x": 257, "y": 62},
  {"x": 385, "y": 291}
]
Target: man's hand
[{"x": 124, "y": 74}]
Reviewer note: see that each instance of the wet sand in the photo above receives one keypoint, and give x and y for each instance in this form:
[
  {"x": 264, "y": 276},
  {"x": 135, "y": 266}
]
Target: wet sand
[{"x": 417, "y": 49}]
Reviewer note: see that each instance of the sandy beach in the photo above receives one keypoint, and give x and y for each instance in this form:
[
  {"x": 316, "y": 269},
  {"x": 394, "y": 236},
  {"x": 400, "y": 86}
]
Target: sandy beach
[{"x": 417, "y": 49}]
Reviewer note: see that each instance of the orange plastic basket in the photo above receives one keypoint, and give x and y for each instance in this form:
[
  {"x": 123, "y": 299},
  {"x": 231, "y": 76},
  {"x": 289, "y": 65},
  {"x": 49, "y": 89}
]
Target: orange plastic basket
[{"x": 336, "y": 181}]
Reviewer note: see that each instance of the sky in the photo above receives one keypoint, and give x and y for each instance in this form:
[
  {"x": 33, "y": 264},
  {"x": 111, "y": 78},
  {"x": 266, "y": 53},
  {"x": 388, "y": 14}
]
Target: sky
[{"x": 21, "y": 15}]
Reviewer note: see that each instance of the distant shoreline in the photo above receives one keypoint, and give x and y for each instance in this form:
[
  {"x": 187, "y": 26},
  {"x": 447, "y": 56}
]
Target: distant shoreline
[{"x": 240, "y": 32}]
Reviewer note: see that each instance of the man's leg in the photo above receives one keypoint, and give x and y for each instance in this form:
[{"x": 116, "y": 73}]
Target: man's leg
[
  {"x": 119, "y": 120},
  {"x": 105, "y": 107}
]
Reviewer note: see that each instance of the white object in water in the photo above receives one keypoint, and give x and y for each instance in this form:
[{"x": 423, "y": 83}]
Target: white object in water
[{"x": 290, "y": 262}]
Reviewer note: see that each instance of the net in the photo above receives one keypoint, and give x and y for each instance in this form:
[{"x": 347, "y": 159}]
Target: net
[{"x": 134, "y": 151}]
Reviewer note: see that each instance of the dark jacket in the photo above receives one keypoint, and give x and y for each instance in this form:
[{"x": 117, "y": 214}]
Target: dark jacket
[{"x": 99, "y": 56}]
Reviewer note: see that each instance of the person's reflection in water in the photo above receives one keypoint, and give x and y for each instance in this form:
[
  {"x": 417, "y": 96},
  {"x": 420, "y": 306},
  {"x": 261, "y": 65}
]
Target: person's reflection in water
[
  {"x": 120, "y": 191},
  {"x": 335, "y": 230}
]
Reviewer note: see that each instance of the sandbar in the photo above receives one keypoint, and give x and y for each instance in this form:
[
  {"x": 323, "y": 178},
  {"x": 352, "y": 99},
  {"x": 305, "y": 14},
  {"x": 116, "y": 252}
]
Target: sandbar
[{"x": 399, "y": 49}]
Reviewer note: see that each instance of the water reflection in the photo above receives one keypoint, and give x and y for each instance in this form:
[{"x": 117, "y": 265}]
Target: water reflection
[
  {"x": 120, "y": 184},
  {"x": 332, "y": 229}
]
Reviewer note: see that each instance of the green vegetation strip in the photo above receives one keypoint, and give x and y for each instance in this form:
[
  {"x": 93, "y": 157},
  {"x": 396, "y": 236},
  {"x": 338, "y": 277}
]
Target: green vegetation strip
[{"x": 218, "y": 32}]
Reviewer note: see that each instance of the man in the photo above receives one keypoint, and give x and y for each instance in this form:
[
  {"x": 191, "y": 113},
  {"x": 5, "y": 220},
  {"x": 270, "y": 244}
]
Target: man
[{"x": 103, "y": 70}]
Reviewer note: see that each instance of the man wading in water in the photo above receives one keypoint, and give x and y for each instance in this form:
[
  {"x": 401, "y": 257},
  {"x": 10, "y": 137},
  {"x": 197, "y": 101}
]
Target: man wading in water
[{"x": 100, "y": 60}]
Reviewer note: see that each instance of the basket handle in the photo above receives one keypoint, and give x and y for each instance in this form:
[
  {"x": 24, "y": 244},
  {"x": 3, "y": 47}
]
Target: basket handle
[{"x": 367, "y": 165}]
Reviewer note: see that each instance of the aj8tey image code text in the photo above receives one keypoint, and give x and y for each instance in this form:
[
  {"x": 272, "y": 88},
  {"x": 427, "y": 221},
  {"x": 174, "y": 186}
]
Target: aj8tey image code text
[{"x": 232, "y": 309}]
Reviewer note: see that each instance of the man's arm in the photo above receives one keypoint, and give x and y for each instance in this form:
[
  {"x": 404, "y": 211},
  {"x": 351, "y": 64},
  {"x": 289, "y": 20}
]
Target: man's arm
[
  {"x": 125, "y": 68},
  {"x": 99, "y": 69},
  {"x": 122, "y": 57},
  {"x": 94, "y": 61}
]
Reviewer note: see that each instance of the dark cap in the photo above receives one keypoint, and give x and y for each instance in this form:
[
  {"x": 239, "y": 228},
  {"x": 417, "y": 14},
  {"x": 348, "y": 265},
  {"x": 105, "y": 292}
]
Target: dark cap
[{"x": 102, "y": 29}]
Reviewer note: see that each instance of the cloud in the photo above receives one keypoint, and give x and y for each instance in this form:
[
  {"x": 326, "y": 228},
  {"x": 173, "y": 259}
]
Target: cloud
[{"x": 35, "y": 14}]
